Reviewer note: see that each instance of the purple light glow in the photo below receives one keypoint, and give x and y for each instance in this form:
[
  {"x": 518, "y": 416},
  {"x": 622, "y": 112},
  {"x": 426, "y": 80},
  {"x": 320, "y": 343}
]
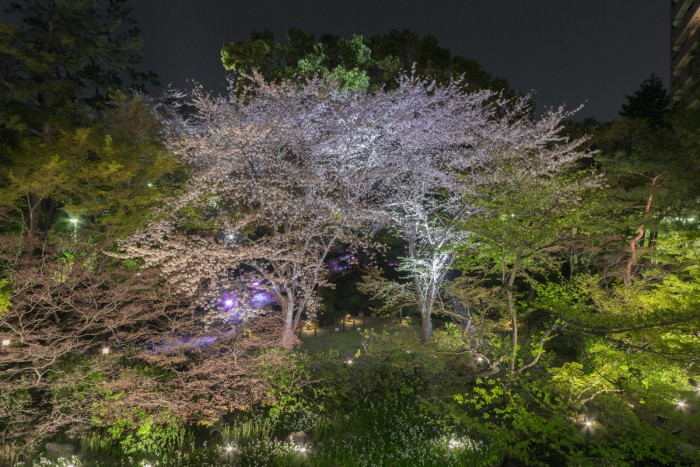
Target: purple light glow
[
  {"x": 200, "y": 341},
  {"x": 228, "y": 301},
  {"x": 261, "y": 299}
]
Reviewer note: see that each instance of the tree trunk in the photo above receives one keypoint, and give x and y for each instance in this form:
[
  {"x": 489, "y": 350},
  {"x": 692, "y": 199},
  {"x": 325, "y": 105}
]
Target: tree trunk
[
  {"x": 513, "y": 314},
  {"x": 514, "y": 332},
  {"x": 640, "y": 233},
  {"x": 288, "y": 338},
  {"x": 34, "y": 215},
  {"x": 426, "y": 324}
]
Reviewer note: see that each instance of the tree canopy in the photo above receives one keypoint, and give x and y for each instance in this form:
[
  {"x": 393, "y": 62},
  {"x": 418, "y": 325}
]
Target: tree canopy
[{"x": 356, "y": 62}]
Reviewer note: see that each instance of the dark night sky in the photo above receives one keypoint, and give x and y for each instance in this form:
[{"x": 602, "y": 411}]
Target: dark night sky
[{"x": 569, "y": 51}]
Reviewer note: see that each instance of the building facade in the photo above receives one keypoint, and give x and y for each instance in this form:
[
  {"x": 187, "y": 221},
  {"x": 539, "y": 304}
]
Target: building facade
[{"x": 685, "y": 52}]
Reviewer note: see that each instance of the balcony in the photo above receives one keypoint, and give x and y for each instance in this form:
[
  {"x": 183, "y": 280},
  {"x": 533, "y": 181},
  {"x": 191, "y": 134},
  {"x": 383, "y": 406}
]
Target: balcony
[
  {"x": 678, "y": 56},
  {"x": 682, "y": 83},
  {"x": 678, "y": 11},
  {"x": 689, "y": 19}
]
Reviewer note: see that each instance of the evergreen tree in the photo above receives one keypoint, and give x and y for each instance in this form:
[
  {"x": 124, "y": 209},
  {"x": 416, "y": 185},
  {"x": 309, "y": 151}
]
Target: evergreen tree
[
  {"x": 651, "y": 102},
  {"x": 65, "y": 58},
  {"x": 63, "y": 71}
]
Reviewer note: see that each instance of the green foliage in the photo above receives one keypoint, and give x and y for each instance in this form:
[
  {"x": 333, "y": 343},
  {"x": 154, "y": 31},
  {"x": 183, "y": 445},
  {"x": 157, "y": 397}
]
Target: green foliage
[
  {"x": 666, "y": 302},
  {"x": 356, "y": 63},
  {"x": 530, "y": 423},
  {"x": 69, "y": 61},
  {"x": 292, "y": 394},
  {"x": 5, "y": 294},
  {"x": 91, "y": 175},
  {"x": 632, "y": 153},
  {"x": 142, "y": 436},
  {"x": 174, "y": 450},
  {"x": 389, "y": 295}
]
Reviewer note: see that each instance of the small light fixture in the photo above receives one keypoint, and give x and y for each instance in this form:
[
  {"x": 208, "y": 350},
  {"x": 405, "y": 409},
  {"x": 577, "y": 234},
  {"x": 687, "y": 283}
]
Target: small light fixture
[
  {"x": 5, "y": 342},
  {"x": 681, "y": 404},
  {"x": 588, "y": 424},
  {"x": 228, "y": 302},
  {"x": 228, "y": 448},
  {"x": 105, "y": 350},
  {"x": 149, "y": 185},
  {"x": 302, "y": 449},
  {"x": 349, "y": 362},
  {"x": 479, "y": 359},
  {"x": 73, "y": 221}
]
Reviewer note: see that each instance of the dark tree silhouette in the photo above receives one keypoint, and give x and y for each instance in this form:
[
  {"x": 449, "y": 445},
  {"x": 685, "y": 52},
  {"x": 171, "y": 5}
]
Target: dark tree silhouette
[{"x": 650, "y": 102}]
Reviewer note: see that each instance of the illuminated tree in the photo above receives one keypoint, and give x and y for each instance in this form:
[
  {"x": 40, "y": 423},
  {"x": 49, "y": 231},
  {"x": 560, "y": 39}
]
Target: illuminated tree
[
  {"x": 278, "y": 180},
  {"x": 531, "y": 198},
  {"x": 75, "y": 329},
  {"x": 107, "y": 174},
  {"x": 283, "y": 176},
  {"x": 426, "y": 197}
]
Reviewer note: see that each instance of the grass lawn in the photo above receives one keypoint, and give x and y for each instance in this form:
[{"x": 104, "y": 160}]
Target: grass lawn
[{"x": 346, "y": 342}]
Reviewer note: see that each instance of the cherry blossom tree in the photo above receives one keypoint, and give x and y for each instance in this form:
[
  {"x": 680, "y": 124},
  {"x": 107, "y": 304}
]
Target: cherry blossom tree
[
  {"x": 77, "y": 326},
  {"x": 426, "y": 196},
  {"x": 282, "y": 173}
]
